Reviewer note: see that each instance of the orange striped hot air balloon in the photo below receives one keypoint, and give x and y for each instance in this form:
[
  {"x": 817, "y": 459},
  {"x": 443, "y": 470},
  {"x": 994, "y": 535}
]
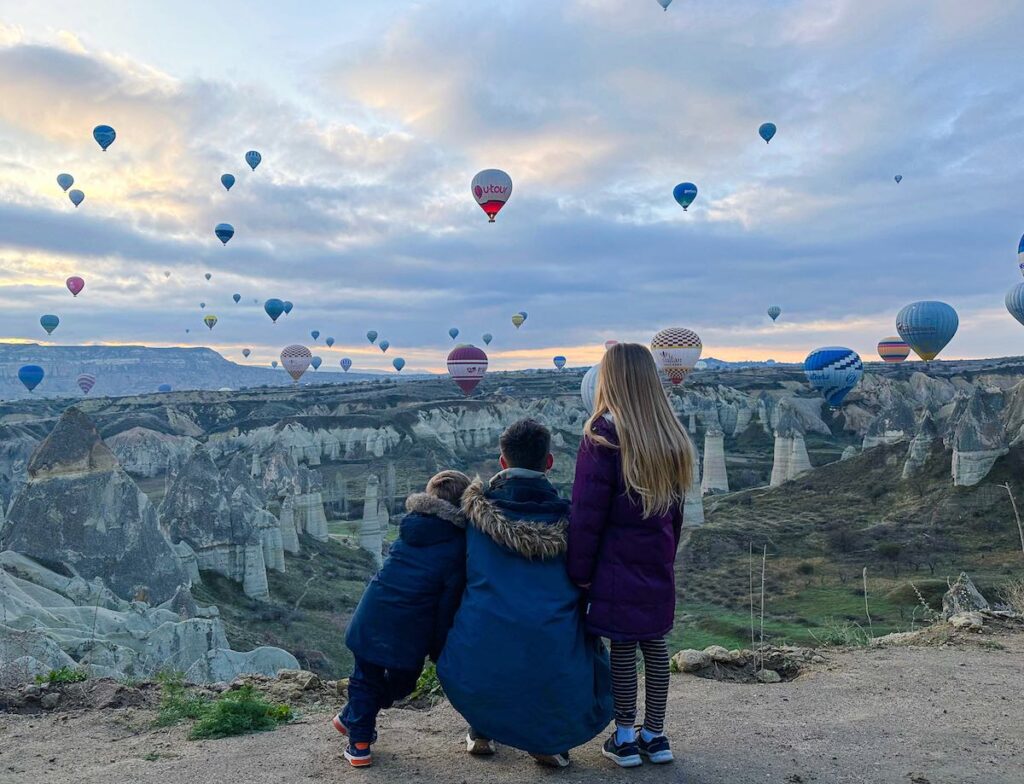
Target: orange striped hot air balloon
[{"x": 893, "y": 350}]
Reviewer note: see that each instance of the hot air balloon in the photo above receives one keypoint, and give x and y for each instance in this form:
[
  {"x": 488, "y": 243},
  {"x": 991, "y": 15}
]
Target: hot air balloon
[
  {"x": 273, "y": 363},
  {"x": 559, "y": 361},
  {"x": 49, "y": 322},
  {"x": 75, "y": 285},
  {"x": 453, "y": 333},
  {"x": 86, "y": 381},
  {"x": 524, "y": 314},
  {"x": 246, "y": 352},
  {"x": 384, "y": 345},
  {"x": 1020, "y": 255},
  {"x": 104, "y": 136},
  {"x": 296, "y": 360},
  {"x": 167, "y": 273},
  {"x": 518, "y": 320},
  {"x": 202, "y": 305},
  {"x": 665, "y": 3},
  {"x": 316, "y": 362},
  {"x": 371, "y": 335},
  {"x": 208, "y": 276},
  {"x": 329, "y": 342},
  {"x": 927, "y": 327},
  {"x": 609, "y": 343},
  {"x": 398, "y": 363},
  {"x": 767, "y": 132},
  {"x": 588, "y": 387},
  {"x": 288, "y": 305},
  {"x": 315, "y": 334},
  {"x": 491, "y": 189},
  {"x": 685, "y": 193},
  {"x": 467, "y": 365},
  {"x": 898, "y": 178},
  {"x": 187, "y": 330},
  {"x": 833, "y": 371},
  {"x": 210, "y": 321},
  {"x": 676, "y": 351},
  {"x": 253, "y": 158},
  {"x": 274, "y": 309},
  {"x": 65, "y": 181},
  {"x": 893, "y": 350},
  {"x": 164, "y": 388},
  {"x": 345, "y": 363},
  {"x": 76, "y": 196},
  {"x": 237, "y": 298},
  {"x": 30, "y": 376},
  {"x": 1015, "y": 302},
  {"x": 224, "y": 232},
  {"x": 774, "y": 312},
  {"x": 227, "y": 180},
  {"x": 487, "y": 338}
]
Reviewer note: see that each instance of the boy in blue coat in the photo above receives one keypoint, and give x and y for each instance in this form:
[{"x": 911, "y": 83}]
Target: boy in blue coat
[{"x": 406, "y": 610}]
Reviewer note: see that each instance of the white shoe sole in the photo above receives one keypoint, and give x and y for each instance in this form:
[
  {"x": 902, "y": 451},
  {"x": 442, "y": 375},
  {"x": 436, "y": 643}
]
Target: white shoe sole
[
  {"x": 660, "y": 758},
  {"x": 551, "y": 760},
  {"x": 623, "y": 762},
  {"x": 479, "y": 747}
]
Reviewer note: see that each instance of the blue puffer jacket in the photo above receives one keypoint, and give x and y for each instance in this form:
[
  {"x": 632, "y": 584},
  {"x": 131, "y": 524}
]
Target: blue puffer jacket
[
  {"x": 518, "y": 664},
  {"x": 407, "y": 609}
]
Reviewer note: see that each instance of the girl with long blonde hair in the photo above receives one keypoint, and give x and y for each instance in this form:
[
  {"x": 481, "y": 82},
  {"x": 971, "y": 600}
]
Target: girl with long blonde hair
[{"x": 634, "y": 467}]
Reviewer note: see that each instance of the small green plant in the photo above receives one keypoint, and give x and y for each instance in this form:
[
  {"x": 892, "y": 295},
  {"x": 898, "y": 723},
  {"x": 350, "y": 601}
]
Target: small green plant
[
  {"x": 837, "y": 634},
  {"x": 63, "y": 675},
  {"x": 238, "y": 713},
  {"x": 428, "y": 686},
  {"x": 177, "y": 703}
]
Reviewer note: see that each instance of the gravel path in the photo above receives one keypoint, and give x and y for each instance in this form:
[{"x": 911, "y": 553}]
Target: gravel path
[{"x": 950, "y": 715}]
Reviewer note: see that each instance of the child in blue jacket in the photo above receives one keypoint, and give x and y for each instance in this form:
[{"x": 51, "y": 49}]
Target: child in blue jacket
[{"x": 406, "y": 611}]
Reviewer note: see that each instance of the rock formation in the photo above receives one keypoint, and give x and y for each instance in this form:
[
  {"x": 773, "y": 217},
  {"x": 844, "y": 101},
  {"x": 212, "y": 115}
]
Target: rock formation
[
  {"x": 693, "y": 508},
  {"x": 716, "y": 479},
  {"x": 790, "y": 458},
  {"x": 894, "y": 424},
  {"x": 81, "y": 510},
  {"x": 849, "y": 453},
  {"x": 374, "y": 524},
  {"x": 978, "y": 438},
  {"x": 921, "y": 446},
  {"x": 147, "y": 453}
]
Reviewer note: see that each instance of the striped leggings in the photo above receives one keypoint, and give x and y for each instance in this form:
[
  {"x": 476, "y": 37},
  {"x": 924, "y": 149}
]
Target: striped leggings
[{"x": 624, "y": 683}]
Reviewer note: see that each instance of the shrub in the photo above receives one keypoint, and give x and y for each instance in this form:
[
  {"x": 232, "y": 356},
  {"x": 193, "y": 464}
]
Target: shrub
[
  {"x": 1013, "y": 595},
  {"x": 63, "y": 675},
  {"x": 428, "y": 686},
  {"x": 844, "y": 634},
  {"x": 239, "y": 713},
  {"x": 177, "y": 703}
]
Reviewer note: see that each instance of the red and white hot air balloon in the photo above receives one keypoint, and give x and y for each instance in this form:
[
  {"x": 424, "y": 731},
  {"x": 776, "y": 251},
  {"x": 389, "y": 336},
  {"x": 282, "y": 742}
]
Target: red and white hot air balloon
[
  {"x": 609, "y": 343},
  {"x": 86, "y": 382},
  {"x": 467, "y": 365},
  {"x": 676, "y": 351},
  {"x": 491, "y": 189},
  {"x": 296, "y": 360},
  {"x": 75, "y": 285}
]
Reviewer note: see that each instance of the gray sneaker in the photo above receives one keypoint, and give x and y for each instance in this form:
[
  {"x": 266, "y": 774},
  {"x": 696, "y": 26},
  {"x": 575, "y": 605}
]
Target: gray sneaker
[
  {"x": 478, "y": 745},
  {"x": 552, "y": 760}
]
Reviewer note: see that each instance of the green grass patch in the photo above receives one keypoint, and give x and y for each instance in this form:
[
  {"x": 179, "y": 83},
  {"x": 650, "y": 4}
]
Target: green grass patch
[
  {"x": 428, "y": 686},
  {"x": 239, "y": 712},
  {"x": 177, "y": 702},
  {"x": 63, "y": 675}
]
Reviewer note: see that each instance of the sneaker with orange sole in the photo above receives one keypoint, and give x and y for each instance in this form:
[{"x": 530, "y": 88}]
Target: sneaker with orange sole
[{"x": 358, "y": 755}]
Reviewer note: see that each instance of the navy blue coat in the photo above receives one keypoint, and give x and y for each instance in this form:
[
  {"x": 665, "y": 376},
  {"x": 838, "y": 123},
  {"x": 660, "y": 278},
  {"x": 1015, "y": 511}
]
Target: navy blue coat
[
  {"x": 519, "y": 665},
  {"x": 407, "y": 609}
]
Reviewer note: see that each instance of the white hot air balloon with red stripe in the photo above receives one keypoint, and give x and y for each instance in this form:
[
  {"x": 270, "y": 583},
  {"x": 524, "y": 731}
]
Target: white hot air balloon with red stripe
[
  {"x": 467, "y": 365},
  {"x": 491, "y": 188}
]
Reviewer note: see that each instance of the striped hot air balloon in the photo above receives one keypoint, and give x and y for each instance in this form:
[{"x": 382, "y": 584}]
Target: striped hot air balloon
[
  {"x": 774, "y": 312},
  {"x": 834, "y": 371},
  {"x": 296, "y": 360},
  {"x": 86, "y": 381},
  {"x": 345, "y": 363},
  {"x": 224, "y": 232},
  {"x": 676, "y": 351},
  {"x": 893, "y": 350},
  {"x": 467, "y": 365}
]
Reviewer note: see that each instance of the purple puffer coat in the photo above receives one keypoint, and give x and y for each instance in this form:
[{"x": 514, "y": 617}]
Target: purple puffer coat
[{"x": 627, "y": 559}]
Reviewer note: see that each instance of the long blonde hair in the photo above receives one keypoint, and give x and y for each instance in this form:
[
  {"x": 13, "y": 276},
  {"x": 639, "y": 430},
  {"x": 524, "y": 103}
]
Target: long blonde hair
[{"x": 657, "y": 455}]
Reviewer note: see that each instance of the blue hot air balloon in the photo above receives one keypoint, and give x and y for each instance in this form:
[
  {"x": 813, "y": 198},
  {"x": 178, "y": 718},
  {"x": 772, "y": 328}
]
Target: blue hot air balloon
[
  {"x": 65, "y": 181},
  {"x": 76, "y": 196},
  {"x": 30, "y": 376},
  {"x": 559, "y": 361},
  {"x": 898, "y": 178},
  {"x": 371, "y": 335},
  {"x": 488, "y": 337},
  {"x": 398, "y": 363},
  {"x": 237, "y": 298},
  {"x": 685, "y": 193},
  {"x": 202, "y": 305},
  {"x": 288, "y": 305},
  {"x": 329, "y": 342},
  {"x": 273, "y": 363},
  {"x": 927, "y": 327},
  {"x": 49, "y": 322},
  {"x": 833, "y": 371},
  {"x": 665, "y": 3},
  {"x": 224, "y": 232},
  {"x": 345, "y": 363},
  {"x": 316, "y": 362},
  {"x": 227, "y": 180},
  {"x": 253, "y": 158},
  {"x": 384, "y": 345},
  {"x": 104, "y": 136},
  {"x": 1020, "y": 255},
  {"x": 1015, "y": 302},
  {"x": 164, "y": 388},
  {"x": 767, "y": 132},
  {"x": 315, "y": 334},
  {"x": 453, "y": 332},
  {"x": 274, "y": 309},
  {"x": 774, "y": 312}
]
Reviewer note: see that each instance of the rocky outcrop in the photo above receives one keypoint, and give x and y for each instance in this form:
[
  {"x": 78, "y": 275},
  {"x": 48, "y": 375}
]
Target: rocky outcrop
[
  {"x": 962, "y": 597},
  {"x": 849, "y": 453},
  {"x": 790, "y": 458},
  {"x": 978, "y": 437},
  {"x": 147, "y": 453},
  {"x": 895, "y": 424},
  {"x": 921, "y": 446},
  {"x": 82, "y": 511},
  {"x": 375, "y": 520},
  {"x": 716, "y": 478},
  {"x": 693, "y": 507}
]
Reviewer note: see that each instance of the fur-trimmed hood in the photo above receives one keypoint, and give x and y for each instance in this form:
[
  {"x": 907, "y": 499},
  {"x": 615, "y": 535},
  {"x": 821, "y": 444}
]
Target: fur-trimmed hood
[
  {"x": 430, "y": 520},
  {"x": 531, "y": 539},
  {"x": 426, "y": 504}
]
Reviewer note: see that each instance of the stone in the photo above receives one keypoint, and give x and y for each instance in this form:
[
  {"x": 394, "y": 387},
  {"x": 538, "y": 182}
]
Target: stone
[
  {"x": 719, "y": 654},
  {"x": 693, "y": 505},
  {"x": 50, "y": 701},
  {"x": 921, "y": 446},
  {"x": 768, "y": 676},
  {"x": 790, "y": 455},
  {"x": 148, "y": 453},
  {"x": 979, "y": 437},
  {"x": 716, "y": 478},
  {"x": 962, "y": 597},
  {"x": 374, "y": 523},
  {"x": 691, "y": 660},
  {"x": 971, "y": 621},
  {"x": 849, "y": 453}
]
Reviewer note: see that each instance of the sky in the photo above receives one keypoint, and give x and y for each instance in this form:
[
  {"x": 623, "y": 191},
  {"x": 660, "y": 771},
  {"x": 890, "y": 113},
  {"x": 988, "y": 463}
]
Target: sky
[{"x": 373, "y": 116}]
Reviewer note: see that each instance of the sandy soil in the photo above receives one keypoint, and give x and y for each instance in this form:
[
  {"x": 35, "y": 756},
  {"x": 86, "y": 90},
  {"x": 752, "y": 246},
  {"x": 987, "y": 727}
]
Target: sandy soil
[{"x": 952, "y": 715}]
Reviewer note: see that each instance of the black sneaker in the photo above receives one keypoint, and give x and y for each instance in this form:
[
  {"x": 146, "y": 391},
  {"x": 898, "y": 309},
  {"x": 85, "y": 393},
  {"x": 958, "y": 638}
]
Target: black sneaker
[
  {"x": 478, "y": 745},
  {"x": 552, "y": 760},
  {"x": 657, "y": 750},
  {"x": 625, "y": 755}
]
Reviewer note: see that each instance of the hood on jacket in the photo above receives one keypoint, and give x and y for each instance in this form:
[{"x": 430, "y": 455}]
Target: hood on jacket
[
  {"x": 428, "y": 519},
  {"x": 530, "y": 539}
]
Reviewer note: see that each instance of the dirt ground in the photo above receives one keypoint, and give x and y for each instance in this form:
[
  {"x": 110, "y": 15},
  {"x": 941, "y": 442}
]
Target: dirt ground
[{"x": 915, "y": 715}]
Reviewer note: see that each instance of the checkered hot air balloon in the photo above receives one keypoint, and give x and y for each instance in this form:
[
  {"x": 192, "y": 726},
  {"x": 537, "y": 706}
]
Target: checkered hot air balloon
[
  {"x": 467, "y": 366},
  {"x": 834, "y": 371},
  {"x": 296, "y": 360},
  {"x": 893, "y": 350},
  {"x": 676, "y": 351}
]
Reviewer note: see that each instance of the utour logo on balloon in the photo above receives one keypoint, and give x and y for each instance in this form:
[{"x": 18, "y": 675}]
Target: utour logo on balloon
[{"x": 491, "y": 188}]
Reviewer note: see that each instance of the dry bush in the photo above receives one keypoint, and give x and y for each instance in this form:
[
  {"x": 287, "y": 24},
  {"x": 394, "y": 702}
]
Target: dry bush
[{"x": 1013, "y": 596}]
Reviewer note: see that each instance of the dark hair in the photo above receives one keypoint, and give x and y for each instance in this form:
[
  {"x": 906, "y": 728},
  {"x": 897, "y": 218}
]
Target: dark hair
[
  {"x": 448, "y": 486},
  {"x": 526, "y": 444}
]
